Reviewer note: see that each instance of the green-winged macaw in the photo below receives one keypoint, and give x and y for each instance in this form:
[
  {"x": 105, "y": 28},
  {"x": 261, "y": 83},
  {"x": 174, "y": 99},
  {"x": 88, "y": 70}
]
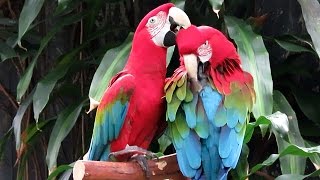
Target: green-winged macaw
[
  {"x": 132, "y": 106},
  {"x": 209, "y": 98}
]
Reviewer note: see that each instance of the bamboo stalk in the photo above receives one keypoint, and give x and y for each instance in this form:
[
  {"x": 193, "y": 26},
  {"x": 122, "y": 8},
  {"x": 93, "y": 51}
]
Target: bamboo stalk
[{"x": 165, "y": 167}]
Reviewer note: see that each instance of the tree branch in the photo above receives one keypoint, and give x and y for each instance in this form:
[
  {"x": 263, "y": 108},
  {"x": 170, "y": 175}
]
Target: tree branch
[
  {"x": 11, "y": 99},
  {"x": 164, "y": 168}
]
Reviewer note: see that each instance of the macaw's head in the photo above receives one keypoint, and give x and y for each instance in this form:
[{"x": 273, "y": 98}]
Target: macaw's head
[
  {"x": 188, "y": 42},
  {"x": 160, "y": 25},
  {"x": 216, "y": 56}
]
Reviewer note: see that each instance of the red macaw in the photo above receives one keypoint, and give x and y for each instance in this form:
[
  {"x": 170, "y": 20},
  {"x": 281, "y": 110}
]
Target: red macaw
[
  {"x": 132, "y": 105},
  {"x": 209, "y": 98}
]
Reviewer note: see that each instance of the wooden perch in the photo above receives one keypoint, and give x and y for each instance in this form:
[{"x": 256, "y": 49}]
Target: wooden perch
[{"x": 164, "y": 168}]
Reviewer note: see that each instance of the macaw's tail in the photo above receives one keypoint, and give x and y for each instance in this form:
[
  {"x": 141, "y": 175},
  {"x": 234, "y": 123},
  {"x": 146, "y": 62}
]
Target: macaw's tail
[
  {"x": 101, "y": 154},
  {"x": 188, "y": 150}
]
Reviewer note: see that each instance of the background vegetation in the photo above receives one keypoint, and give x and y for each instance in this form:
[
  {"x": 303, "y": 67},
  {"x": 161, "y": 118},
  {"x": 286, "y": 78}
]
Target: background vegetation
[{"x": 55, "y": 54}]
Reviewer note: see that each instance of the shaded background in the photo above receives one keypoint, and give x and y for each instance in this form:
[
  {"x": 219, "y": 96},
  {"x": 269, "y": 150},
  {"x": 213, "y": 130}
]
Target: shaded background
[{"x": 296, "y": 75}]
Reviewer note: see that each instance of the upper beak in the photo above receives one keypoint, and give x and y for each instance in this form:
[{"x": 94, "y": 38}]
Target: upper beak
[{"x": 178, "y": 18}]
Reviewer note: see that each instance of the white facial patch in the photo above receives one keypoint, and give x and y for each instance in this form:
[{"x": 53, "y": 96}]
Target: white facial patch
[
  {"x": 156, "y": 23},
  {"x": 205, "y": 52}
]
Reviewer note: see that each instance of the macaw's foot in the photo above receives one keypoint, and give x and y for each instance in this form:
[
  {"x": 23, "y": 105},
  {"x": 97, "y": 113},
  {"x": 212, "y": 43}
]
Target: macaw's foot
[
  {"x": 143, "y": 162},
  {"x": 135, "y": 153},
  {"x": 130, "y": 151}
]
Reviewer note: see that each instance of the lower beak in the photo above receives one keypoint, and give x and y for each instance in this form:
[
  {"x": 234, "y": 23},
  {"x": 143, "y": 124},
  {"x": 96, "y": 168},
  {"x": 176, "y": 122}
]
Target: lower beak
[{"x": 191, "y": 64}]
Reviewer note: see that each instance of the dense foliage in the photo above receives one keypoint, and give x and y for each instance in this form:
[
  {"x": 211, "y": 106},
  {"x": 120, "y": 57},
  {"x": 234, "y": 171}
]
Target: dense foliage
[{"x": 64, "y": 52}]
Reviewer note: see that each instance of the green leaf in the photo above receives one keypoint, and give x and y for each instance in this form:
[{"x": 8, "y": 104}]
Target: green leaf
[
  {"x": 46, "y": 85},
  {"x": 315, "y": 158},
  {"x": 164, "y": 141},
  {"x": 250, "y": 127},
  {"x": 6, "y": 52},
  {"x": 65, "y": 5},
  {"x": 26, "y": 77},
  {"x": 58, "y": 171},
  {"x": 216, "y": 5},
  {"x": 16, "y": 124},
  {"x": 66, "y": 174},
  {"x": 289, "y": 46},
  {"x": 255, "y": 60},
  {"x": 298, "y": 176},
  {"x": 311, "y": 15},
  {"x": 289, "y": 150},
  {"x": 30, "y": 10},
  {"x": 242, "y": 168},
  {"x": 289, "y": 164},
  {"x": 280, "y": 123},
  {"x": 34, "y": 129},
  {"x": 112, "y": 62},
  {"x": 65, "y": 121},
  {"x": 170, "y": 51},
  {"x": 269, "y": 161}
]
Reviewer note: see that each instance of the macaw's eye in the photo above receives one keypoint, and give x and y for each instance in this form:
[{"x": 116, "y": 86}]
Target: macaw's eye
[
  {"x": 152, "y": 20},
  {"x": 206, "y": 43}
]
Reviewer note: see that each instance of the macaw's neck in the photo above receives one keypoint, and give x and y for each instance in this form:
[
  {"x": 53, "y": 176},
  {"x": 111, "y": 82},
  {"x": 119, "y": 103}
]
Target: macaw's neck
[{"x": 146, "y": 58}]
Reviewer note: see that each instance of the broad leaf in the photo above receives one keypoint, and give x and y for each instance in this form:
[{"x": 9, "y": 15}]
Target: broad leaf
[
  {"x": 292, "y": 47},
  {"x": 34, "y": 129},
  {"x": 65, "y": 122},
  {"x": 280, "y": 123},
  {"x": 251, "y": 126},
  {"x": 30, "y": 10},
  {"x": 164, "y": 141},
  {"x": 58, "y": 171},
  {"x": 298, "y": 176},
  {"x": 26, "y": 77},
  {"x": 16, "y": 124},
  {"x": 216, "y": 5},
  {"x": 255, "y": 59},
  {"x": 112, "y": 62},
  {"x": 6, "y": 52},
  {"x": 242, "y": 168},
  {"x": 289, "y": 164},
  {"x": 46, "y": 85},
  {"x": 169, "y": 54},
  {"x": 315, "y": 158},
  {"x": 311, "y": 15},
  {"x": 66, "y": 174},
  {"x": 289, "y": 150}
]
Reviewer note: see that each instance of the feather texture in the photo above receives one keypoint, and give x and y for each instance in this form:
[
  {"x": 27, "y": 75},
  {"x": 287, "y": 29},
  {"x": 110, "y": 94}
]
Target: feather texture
[{"x": 217, "y": 114}]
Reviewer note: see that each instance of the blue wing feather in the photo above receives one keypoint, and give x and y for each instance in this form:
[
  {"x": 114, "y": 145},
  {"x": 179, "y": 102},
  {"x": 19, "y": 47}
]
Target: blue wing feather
[
  {"x": 190, "y": 111},
  {"x": 110, "y": 116},
  {"x": 211, "y": 100}
]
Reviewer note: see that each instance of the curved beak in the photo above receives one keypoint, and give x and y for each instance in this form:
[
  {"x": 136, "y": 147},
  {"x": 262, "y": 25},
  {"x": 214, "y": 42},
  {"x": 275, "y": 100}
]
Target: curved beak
[{"x": 178, "y": 18}]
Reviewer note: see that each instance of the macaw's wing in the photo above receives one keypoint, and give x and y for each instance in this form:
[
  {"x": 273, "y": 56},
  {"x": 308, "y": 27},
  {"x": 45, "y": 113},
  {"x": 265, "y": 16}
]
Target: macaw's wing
[
  {"x": 186, "y": 123},
  {"x": 111, "y": 115},
  {"x": 232, "y": 116}
]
